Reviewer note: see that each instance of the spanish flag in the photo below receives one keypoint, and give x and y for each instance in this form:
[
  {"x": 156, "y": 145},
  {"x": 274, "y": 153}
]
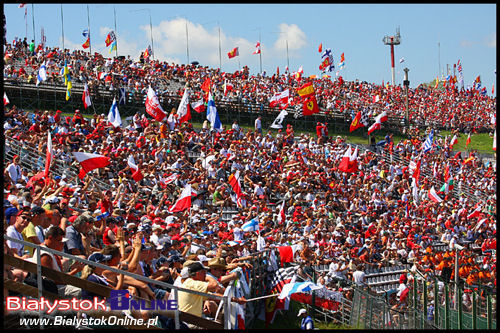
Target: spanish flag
[
  {"x": 310, "y": 106},
  {"x": 233, "y": 53},
  {"x": 307, "y": 90}
]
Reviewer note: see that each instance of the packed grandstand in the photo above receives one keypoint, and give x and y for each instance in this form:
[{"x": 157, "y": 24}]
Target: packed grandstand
[{"x": 253, "y": 209}]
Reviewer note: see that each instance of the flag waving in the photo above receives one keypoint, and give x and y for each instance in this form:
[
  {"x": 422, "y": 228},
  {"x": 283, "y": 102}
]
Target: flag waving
[
  {"x": 110, "y": 38},
  {"x": 233, "y": 53},
  {"x": 428, "y": 142},
  {"x": 89, "y": 162},
  {"x": 5, "y": 99},
  {"x": 114, "y": 115},
  {"x": 257, "y": 48},
  {"x": 184, "y": 201},
  {"x": 310, "y": 106},
  {"x": 307, "y": 90},
  {"x": 198, "y": 106},
  {"x": 279, "y": 98},
  {"x": 467, "y": 142},
  {"x": 86, "y": 45},
  {"x": 342, "y": 61},
  {"x": 279, "y": 120},
  {"x": 212, "y": 114},
  {"x": 378, "y": 122},
  {"x": 281, "y": 214},
  {"x": 136, "y": 173},
  {"x": 49, "y": 155},
  {"x": 434, "y": 196},
  {"x": 184, "y": 111},
  {"x": 360, "y": 120},
  {"x": 86, "y": 96},
  {"x": 234, "y": 181},
  {"x": 153, "y": 107},
  {"x": 298, "y": 287},
  {"x": 42, "y": 74}
]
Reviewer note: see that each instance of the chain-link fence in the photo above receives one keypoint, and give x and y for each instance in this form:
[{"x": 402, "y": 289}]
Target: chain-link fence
[{"x": 431, "y": 304}]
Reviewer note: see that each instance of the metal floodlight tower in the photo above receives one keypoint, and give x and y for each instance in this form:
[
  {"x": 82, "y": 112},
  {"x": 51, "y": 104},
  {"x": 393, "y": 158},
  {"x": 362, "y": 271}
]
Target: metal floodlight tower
[{"x": 392, "y": 40}]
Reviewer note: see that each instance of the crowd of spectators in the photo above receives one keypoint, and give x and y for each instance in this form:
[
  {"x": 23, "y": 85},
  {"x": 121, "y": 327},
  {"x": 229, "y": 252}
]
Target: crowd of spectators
[
  {"x": 452, "y": 108},
  {"x": 371, "y": 218}
]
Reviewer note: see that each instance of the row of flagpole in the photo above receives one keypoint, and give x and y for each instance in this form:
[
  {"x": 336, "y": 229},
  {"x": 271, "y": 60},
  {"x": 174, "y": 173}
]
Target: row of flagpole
[{"x": 88, "y": 27}]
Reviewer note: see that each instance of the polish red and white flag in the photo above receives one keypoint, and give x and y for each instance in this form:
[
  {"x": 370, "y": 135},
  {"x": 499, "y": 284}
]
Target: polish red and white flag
[
  {"x": 89, "y": 162},
  {"x": 153, "y": 107}
]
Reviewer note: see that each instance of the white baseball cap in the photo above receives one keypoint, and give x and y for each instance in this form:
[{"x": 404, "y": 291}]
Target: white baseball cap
[{"x": 301, "y": 311}]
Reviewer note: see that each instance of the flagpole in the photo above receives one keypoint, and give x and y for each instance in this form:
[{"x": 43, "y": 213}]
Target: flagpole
[
  {"x": 26, "y": 21},
  {"x": 88, "y": 26},
  {"x": 116, "y": 33},
  {"x": 260, "y": 53},
  {"x": 220, "y": 54},
  {"x": 33, "y": 17},
  {"x": 262, "y": 297},
  {"x": 187, "y": 44},
  {"x": 287, "y": 59},
  {"x": 62, "y": 27},
  {"x": 151, "y": 29}
]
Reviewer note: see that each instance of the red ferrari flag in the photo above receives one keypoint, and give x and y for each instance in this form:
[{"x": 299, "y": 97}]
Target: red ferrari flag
[
  {"x": 86, "y": 45},
  {"x": 320, "y": 48},
  {"x": 310, "y": 106},
  {"x": 356, "y": 123}
]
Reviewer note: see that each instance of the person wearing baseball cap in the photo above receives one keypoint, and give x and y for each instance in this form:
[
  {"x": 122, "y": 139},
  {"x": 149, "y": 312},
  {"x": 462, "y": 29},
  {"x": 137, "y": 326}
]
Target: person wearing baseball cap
[
  {"x": 306, "y": 323},
  {"x": 193, "y": 303}
]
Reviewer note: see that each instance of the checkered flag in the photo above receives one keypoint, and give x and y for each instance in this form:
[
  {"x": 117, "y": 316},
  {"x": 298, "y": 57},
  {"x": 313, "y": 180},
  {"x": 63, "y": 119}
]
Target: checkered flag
[
  {"x": 298, "y": 111},
  {"x": 280, "y": 277},
  {"x": 365, "y": 115}
]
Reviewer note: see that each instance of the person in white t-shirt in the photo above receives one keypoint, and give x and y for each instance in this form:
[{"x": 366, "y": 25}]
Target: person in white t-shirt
[
  {"x": 359, "y": 276},
  {"x": 237, "y": 232},
  {"x": 13, "y": 170}
]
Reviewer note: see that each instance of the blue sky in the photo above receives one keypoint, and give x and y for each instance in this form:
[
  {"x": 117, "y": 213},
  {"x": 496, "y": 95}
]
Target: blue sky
[{"x": 464, "y": 31}]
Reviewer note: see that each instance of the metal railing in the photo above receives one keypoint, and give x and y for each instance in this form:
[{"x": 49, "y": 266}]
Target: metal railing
[
  {"x": 175, "y": 289},
  {"x": 427, "y": 172},
  {"x": 31, "y": 159}
]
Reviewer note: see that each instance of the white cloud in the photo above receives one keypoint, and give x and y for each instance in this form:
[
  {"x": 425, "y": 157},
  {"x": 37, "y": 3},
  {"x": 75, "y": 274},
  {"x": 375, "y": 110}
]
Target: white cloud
[
  {"x": 169, "y": 39},
  {"x": 292, "y": 34},
  {"x": 491, "y": 40}
]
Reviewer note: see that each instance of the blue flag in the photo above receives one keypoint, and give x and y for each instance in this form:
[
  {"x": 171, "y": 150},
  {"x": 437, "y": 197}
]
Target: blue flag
[
  {"x": 85, "y": 33},
  {"x": 212, "y": 114},
  {"x": 122, "y": 99},
  {"x": 428, "y": 141}
]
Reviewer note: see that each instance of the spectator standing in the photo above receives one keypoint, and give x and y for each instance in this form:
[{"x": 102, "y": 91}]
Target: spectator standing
[{"x": 258, "y": 124}]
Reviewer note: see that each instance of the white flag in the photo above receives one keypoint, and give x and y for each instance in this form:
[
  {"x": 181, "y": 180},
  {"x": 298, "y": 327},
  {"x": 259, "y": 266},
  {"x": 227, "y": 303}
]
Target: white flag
[
  {"x": 42, "y": 74},
  {"x": 279, "y": 119}
]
